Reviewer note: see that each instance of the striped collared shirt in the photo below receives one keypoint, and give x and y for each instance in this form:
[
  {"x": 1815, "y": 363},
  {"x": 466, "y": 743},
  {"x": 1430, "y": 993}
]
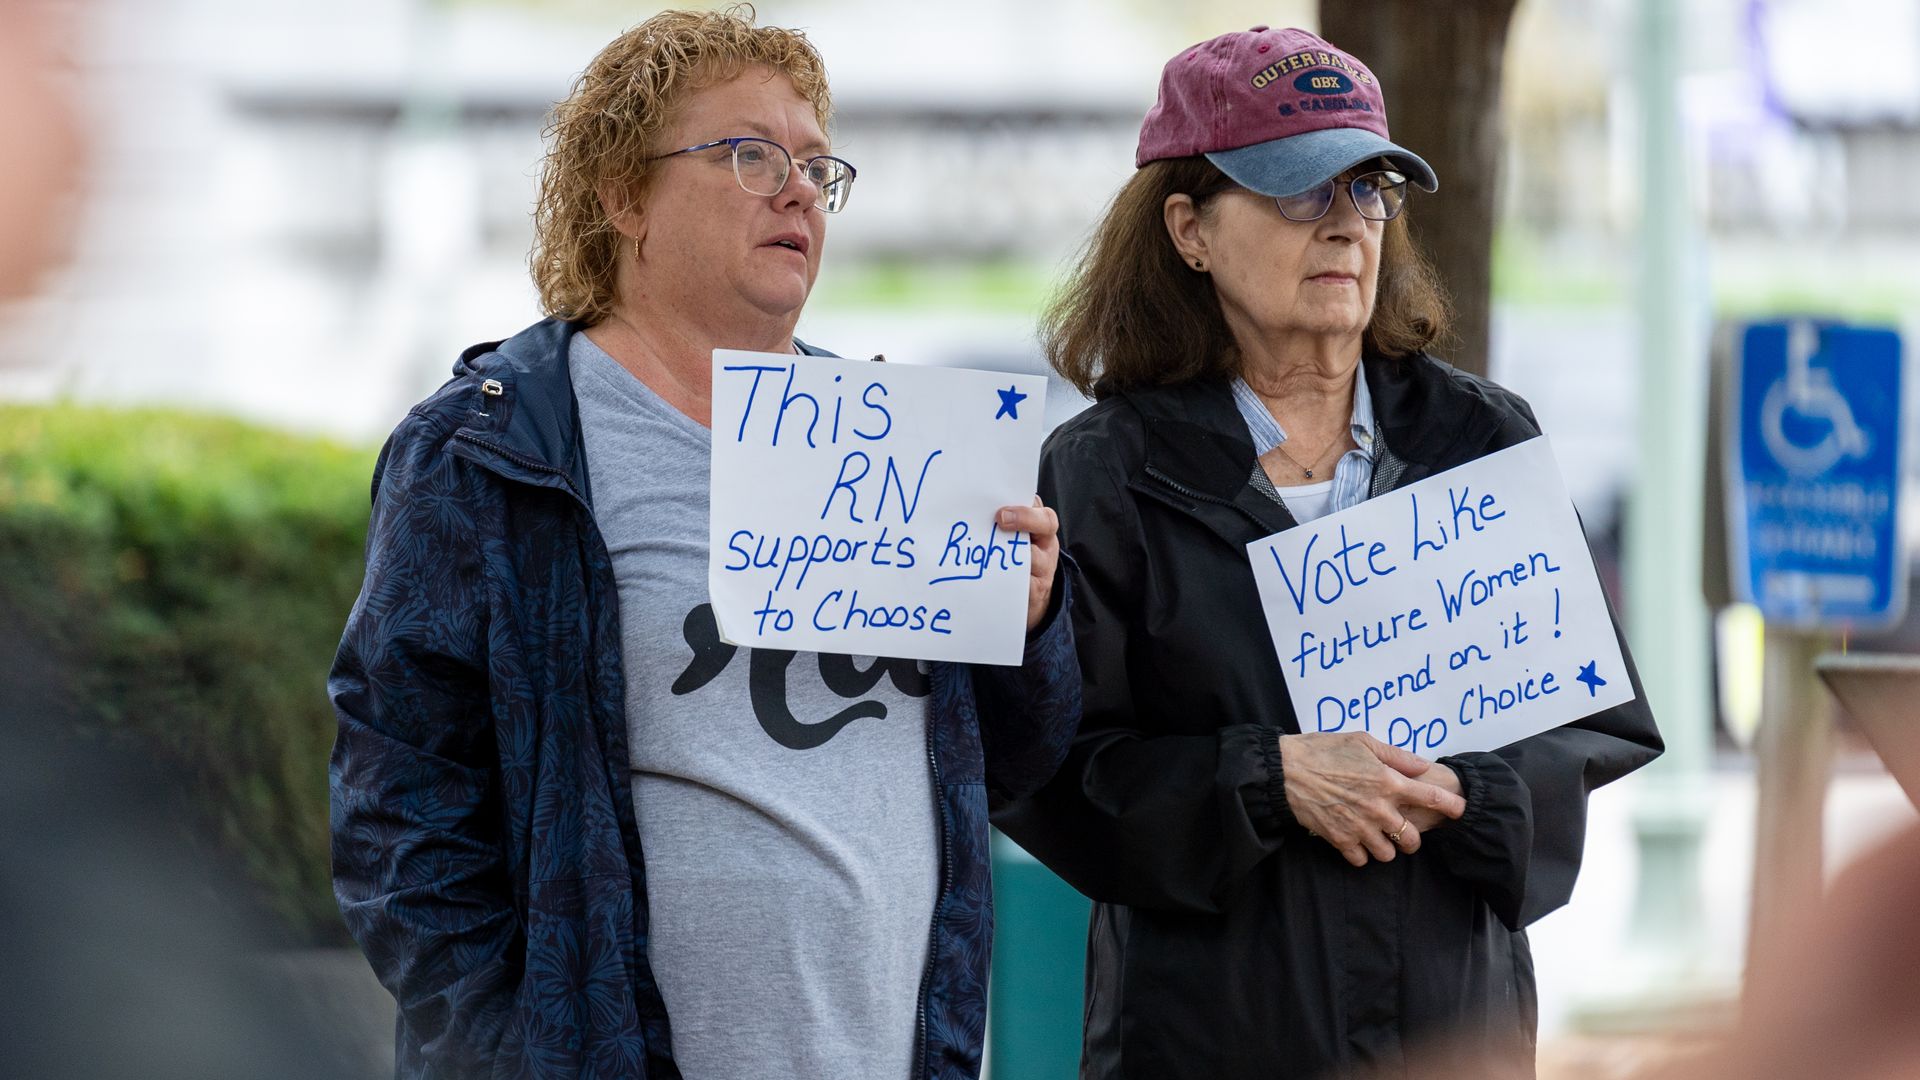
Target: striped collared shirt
[{"x": 1352, "y": 474}]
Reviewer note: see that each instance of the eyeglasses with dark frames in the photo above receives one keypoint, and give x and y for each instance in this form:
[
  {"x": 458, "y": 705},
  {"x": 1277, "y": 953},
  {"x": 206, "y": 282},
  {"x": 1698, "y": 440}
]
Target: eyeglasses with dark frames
[
  {"x": 762, "y": 166},
  {"x": 1378, "y": 196}
]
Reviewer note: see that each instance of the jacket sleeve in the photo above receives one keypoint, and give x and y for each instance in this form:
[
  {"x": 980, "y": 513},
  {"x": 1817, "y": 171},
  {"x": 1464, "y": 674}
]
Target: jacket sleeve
[
  {"x": 1028, "y": 714},
  {"x": 418, "y": 865},
  {"x": 1149, "y": 820},
  {"x": 1520, "y": 842}
]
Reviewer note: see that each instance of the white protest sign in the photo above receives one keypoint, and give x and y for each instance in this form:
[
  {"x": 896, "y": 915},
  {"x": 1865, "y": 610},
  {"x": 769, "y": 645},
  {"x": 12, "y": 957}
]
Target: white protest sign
[
  {"x": 853, "y": 506},
  {"x": 1458, "y": 613}
]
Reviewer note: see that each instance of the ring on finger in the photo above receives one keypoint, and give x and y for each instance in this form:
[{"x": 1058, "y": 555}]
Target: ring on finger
[{"x": 1396, "y": 834}]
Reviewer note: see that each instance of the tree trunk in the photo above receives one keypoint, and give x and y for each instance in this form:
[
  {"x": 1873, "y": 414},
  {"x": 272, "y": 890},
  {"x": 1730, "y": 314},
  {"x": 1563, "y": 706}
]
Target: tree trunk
[{"x": 1439, "y": 66}]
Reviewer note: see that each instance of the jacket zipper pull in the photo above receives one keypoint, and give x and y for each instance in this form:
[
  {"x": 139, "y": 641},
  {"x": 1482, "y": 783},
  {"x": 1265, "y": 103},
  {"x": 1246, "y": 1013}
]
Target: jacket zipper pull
[{"x": 491, "y": 388}]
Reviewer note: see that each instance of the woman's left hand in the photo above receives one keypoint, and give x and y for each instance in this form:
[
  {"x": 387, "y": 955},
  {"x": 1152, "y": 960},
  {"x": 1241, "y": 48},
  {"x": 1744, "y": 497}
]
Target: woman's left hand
[
  {"x": 1422, "y": 819},
  {"x": 1042, "y": 527}
]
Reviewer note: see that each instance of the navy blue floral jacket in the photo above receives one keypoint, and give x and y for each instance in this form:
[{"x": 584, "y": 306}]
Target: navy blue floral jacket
[{"x": 484, "y": 848}]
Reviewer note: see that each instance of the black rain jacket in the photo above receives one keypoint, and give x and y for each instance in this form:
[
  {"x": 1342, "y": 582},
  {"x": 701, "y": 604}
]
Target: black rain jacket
[{"x": 1225, "y": 942}]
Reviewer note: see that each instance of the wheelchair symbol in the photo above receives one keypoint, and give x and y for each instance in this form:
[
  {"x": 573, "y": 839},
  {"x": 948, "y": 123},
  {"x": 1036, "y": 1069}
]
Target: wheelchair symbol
[{"x": 1808, "y": 393}]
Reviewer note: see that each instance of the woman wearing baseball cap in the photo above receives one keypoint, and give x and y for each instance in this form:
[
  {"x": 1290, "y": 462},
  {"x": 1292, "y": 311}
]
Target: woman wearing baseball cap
[{"x": 1255, "y": 322}]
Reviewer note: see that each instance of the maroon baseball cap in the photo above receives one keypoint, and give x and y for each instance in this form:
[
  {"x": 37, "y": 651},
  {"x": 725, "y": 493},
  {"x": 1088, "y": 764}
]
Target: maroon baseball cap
[{"x": 1278, "y": 111}]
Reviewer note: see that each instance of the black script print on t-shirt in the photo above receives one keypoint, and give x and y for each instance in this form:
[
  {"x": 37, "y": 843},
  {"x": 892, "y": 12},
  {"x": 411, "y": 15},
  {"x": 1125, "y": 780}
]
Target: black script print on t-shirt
[{"x": 767, "y": 682}]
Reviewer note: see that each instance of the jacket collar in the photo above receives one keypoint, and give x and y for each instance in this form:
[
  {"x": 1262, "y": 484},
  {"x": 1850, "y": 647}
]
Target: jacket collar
[
  {"x": 533, "y": 420},
  {"x": 1197, "y": 438},
  {"x": 1197, "y": 444},
  {"x": 532, "y": 424},
  {"x": 1430, "y": 415}
]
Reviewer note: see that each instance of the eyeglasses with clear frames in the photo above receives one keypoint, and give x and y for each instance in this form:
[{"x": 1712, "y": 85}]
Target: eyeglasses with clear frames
[
  {"x": 762, "y": 166},
  {"x": 1377, "y": 195}
]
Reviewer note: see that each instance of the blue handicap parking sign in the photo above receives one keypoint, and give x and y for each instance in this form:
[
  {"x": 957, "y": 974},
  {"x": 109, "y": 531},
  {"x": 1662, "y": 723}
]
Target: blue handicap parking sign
[{"x": 1814, "y": 485}]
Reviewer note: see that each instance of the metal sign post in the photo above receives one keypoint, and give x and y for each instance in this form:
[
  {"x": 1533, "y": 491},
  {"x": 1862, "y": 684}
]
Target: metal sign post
[{"x": 1793, "y": 756}]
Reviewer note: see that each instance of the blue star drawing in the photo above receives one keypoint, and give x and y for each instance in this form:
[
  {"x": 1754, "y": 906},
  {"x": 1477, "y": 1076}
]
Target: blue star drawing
[
  {"x": 1594, "y": 682},
  {"x": 1010, "y": 400}
]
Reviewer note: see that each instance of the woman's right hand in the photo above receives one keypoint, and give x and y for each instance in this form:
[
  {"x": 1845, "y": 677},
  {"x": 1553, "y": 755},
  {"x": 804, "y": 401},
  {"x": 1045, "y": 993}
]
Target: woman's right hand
[{"x": 1349, "y": 789}]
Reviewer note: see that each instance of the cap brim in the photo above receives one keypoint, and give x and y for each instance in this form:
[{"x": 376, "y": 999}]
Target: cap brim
[{"x": 1291, "y": 165}]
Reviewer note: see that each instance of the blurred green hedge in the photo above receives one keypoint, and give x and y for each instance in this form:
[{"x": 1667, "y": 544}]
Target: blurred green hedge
[{"x": 192, "y": 575}]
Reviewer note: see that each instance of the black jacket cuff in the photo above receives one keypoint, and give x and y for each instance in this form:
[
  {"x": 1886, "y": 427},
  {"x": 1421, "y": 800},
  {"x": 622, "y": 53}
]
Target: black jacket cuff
[{"x": 1267, "y": 803}]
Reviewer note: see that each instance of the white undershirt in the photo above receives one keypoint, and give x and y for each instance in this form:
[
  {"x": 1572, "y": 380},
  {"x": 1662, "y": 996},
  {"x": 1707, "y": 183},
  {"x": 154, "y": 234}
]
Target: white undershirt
[{"x": 1308, "y": 501}]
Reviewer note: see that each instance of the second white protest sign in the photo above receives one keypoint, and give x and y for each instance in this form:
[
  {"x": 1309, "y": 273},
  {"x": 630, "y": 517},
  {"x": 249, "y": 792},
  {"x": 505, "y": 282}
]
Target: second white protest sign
[
  {"x": 853, "y": 506},
  {"x": 1458, "y": 613}
]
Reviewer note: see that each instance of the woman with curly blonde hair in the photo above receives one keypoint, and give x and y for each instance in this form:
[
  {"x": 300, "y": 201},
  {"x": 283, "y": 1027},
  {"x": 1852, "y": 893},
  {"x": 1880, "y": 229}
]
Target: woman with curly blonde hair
[{"x": 575, "y": 832}]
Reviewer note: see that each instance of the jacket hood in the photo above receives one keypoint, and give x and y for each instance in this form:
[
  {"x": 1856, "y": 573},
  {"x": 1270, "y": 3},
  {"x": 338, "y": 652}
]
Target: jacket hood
[
  {"x": 532, "y": 415},
  {"x": 1196, "y": 436}
]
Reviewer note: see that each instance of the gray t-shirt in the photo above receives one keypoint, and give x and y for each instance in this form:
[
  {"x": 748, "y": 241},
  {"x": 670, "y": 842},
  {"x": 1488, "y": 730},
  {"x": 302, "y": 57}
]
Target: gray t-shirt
[{"x": 784, "y": 799}]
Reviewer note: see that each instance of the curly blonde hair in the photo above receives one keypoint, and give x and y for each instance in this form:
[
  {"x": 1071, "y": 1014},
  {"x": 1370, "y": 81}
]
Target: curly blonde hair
[{"x": 611, "y": 122}]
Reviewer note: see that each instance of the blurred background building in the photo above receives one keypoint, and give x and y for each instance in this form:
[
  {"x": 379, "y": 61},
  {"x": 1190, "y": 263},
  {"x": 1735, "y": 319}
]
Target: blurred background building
[{"x": 279, "y": 191}]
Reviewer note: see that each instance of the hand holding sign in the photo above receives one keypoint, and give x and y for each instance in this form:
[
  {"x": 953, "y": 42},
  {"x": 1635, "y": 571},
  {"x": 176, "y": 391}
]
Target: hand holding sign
[
  {"x": 1459, "y": 613},
  {"x": 1042, "y": 525},
  {"x": 857, "y": 508}
]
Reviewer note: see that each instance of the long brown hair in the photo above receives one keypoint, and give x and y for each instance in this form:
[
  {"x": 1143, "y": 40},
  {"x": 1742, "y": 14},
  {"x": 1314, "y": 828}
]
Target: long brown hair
[{"x": 1133, "y": 314}]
